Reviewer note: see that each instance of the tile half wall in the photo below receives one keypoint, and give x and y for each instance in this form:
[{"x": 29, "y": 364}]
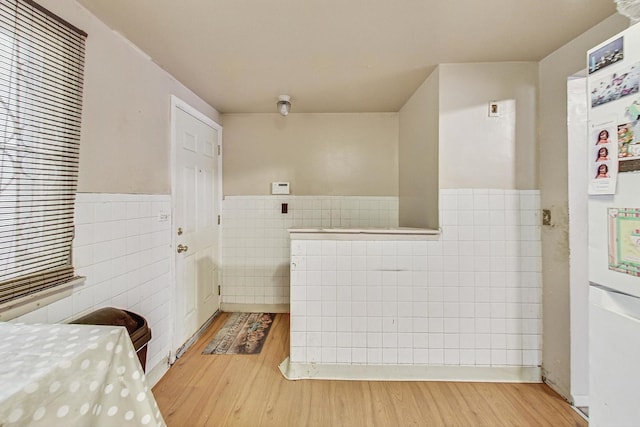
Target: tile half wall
[
  {"x": 255, "y": 240},
  {"x": 123, "y": 248},
  {"x": 474, "y": 298}
]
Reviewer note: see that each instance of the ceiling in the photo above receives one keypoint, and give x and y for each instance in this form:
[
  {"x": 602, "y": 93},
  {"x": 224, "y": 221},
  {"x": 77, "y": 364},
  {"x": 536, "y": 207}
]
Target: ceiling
[{"x": 336, "y": 55}]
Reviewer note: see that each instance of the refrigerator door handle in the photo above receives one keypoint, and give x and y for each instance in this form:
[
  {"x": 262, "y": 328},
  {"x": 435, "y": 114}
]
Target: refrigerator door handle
[{"x": 608, "y": 289}]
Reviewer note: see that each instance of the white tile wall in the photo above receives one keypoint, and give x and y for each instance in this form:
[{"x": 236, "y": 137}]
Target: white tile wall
[
  {"x": 122, "y": 247},
  {"x": 255, "y": 241},
  {"x": 472, "y": 298}
]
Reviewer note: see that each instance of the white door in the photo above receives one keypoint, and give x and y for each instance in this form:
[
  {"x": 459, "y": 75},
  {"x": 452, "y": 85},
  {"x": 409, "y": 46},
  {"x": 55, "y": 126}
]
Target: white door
[{"x": 196, "y": 195}]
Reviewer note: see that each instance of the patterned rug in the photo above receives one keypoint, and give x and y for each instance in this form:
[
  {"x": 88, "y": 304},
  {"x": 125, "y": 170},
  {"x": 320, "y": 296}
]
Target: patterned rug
[{"x": 243, "y": 333}]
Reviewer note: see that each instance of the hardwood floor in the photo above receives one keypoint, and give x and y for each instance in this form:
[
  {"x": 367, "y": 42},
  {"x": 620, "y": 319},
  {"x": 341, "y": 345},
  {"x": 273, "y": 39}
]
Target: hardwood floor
[{"x": 249, "y": 390}]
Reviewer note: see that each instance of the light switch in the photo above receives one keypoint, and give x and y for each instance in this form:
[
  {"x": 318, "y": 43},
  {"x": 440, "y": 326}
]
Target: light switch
[{"x": 493, "y": 109}]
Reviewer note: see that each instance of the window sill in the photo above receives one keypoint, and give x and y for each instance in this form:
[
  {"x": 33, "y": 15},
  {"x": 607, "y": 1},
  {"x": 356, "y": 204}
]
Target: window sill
[{"x": 29, "y": 303}]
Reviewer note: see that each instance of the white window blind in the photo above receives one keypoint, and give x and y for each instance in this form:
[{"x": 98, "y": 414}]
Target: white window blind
[{"x": 41, "y": 77}]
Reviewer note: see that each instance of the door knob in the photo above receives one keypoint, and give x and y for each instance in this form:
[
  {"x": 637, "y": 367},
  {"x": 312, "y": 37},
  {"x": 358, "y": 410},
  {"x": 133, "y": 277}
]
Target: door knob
[{"x": 182, "y": 248}]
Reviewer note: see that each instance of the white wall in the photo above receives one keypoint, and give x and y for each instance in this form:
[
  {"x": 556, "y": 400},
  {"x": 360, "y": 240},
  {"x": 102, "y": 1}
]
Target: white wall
[
  {"x": 552, "y": 178},
  {"x": 418, "y": 156},
  {"x": 478, "y": 151}
]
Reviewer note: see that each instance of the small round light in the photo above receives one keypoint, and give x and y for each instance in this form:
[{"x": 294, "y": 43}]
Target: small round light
[{"x": 284, "y": 104}]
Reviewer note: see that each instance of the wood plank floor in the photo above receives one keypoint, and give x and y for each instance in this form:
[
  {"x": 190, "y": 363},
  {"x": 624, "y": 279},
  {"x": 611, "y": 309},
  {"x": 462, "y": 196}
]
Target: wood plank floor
[{"x": 249, "y": 390}]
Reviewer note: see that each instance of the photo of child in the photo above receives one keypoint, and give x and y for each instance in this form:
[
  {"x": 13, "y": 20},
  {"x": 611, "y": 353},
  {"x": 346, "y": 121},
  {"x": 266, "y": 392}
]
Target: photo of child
[
  {"x": 603, "y": 154},
  {"x": 603, "y": 171},
  {"x": 603, "y": 137}
]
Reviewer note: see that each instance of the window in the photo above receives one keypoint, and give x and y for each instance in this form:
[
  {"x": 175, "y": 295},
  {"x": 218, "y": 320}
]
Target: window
[{"x": 41, "y": 77}]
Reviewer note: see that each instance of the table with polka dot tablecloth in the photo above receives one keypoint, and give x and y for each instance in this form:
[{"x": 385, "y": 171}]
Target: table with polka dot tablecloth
[{"x": 72, "y": 375}]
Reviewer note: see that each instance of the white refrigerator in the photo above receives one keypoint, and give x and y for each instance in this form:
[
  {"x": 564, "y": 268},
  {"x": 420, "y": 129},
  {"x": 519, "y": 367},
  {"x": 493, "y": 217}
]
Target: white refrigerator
[{"x": 614, "y": 230}]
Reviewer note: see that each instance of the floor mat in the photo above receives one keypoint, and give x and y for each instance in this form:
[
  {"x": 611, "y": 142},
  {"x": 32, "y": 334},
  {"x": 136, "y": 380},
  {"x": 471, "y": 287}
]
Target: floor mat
[{"x": 243, "y": 333}]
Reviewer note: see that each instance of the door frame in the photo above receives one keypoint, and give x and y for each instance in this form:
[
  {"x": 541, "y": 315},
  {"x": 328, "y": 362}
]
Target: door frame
[{"x": 179, "y": 104}]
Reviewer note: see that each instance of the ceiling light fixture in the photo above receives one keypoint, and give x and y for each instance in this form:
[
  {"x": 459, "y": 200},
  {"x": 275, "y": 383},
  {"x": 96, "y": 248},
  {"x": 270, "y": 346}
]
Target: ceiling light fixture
[
  {"x": 284, "y": 104},
  {"x": 629, "y": 8}
]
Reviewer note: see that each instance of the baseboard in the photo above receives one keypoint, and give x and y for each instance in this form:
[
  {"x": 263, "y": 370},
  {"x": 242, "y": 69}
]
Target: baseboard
[
  {"x": 563, "y": 391},
  {"x": 180, "y": 351},
  {"x": 254, "y": 308},
  {"x": 156, "y": 373},
  {"x": 580, "y": 401},
  {"x": 583, "y": 411},
  {"x": 515, "y": 374}
]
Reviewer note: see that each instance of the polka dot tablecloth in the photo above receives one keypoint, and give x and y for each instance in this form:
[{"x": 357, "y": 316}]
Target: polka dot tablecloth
[{"x": 72, "y": 375}]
